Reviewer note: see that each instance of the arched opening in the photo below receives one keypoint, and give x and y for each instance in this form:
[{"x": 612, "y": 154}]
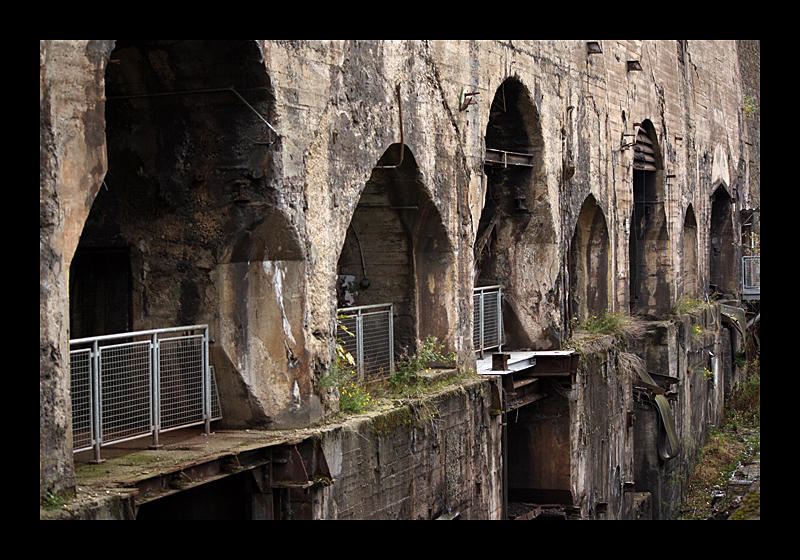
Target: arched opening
[
  {"x": 515, "y": 247},
  {"x": 649, "y": 240},
  {"x": 690, "y": 260},
  {"x": 515, "y": 238},
  {"x": 589, "y": 262},
  {"x": 722, "y": 254},
  {"x": 189, "y": 204},
  {"x": 182, "y": 152},
  {"x": 396, "y": 251}
]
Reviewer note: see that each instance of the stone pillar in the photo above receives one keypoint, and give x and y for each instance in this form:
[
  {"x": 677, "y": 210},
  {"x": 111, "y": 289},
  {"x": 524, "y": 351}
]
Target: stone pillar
[{"x": 72, "y": 164}]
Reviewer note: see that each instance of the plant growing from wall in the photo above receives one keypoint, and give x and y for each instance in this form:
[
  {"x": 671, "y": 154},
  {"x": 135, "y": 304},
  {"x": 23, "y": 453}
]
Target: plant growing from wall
[
  {"x": 406, "y": 378},
  {"x": 688, "y": 305},
  {"x": 751, "y": 243},
  {"x": 609, "y": 322},
  {"x": 707, "y": 374},
  {"x": 404, "y": 382},
  {"x": 750, "y": 107},
  {"x": 353, "y": 397}
]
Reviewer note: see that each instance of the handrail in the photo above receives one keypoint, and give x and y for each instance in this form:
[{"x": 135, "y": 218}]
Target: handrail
[
  {"x": 123, "y": 389},
  {"x": 487, "y": 310},
  {"x": 751, "y": 274},
  {"x": 134, "y": 334},
  {"x": 371, "y": 338}
]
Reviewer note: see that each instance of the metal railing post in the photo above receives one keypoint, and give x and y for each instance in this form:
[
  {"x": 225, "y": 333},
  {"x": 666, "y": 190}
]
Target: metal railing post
[
  {"x": 391, "y": 339},
  {"x": 501, "y": 333},
  {"x": 360, "y": 344},
  {"x": 155, "y": 390},
  {"x": 482, "y": 321},
  {"x": 96, "y": 405},
  {"x": 206, "y": 384}
]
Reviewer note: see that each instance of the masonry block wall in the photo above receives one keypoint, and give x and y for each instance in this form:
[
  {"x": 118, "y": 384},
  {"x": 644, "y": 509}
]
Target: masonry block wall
[
  {"x": 603, "y": 438},
  {"x": 229, "y": 174},
  {"x": 440, "y": 459},
  {"x": 693, "y": 354}
]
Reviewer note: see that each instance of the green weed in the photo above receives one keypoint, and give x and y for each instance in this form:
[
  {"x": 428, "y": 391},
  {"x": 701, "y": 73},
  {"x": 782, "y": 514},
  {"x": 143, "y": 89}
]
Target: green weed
[
  {"x": 405, "y": 380},
  {"x": 609, "y": 322}
]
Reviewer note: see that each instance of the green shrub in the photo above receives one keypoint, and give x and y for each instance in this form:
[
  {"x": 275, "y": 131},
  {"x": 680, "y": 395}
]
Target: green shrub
[
  {"x": 744, "y": 403},
  {"x": 405, "y": 379},
  {"x": 616, "y": 323},
  {"x": 353, "y": 397}
]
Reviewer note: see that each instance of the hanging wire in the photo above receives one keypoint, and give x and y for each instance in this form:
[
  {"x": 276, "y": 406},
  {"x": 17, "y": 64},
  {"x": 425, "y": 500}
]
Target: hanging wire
[{"x": 211, "y": 90}]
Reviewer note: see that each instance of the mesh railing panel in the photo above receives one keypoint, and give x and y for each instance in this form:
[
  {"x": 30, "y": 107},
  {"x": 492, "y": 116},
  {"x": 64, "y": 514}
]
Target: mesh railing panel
[
  {"x": 216, "y": 406},
  {"x": 377, "y": 344},
  {"x": 487, "y": 324},
  {"x": 476, "y": 320},
  {"x": 125, "y": 391},
  {"x": 81, "y": 393},
  {"x": 367, "y": 334},
  {"x": 124, "y": 398},
  {"x": 181, "y": 388},
  {"x": 751, "y": 273},
  {"x": 492, "y": 332}
]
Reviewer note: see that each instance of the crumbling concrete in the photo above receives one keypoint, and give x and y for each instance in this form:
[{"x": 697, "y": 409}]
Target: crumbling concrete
[
  {"x": 230, "y": 173},
  {"x": 587, "y": 449},
  {"x": 435, "y": 457}
]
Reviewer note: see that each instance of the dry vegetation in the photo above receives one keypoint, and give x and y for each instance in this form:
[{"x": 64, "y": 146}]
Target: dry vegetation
[{"x": 738, "y": 439}]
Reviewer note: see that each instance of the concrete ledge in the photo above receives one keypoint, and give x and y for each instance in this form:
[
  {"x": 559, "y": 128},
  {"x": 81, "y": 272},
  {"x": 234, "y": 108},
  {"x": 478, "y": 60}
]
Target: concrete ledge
[
  {"x": 91, "y": 504},
  {"x": 435, "y": 376}
]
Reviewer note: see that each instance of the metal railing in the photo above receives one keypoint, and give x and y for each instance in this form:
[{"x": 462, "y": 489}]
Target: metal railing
[
  {"x": 751, "y": 277},
  {"x": 487, "y": 314},
  {"x": 129, "y": 385},
  {"x": 367, "y": 332}
]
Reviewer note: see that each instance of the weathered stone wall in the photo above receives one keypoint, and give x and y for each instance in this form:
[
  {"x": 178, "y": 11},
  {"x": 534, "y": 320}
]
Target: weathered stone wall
[
  {"x": 588, "y": 108},
  {"x": 601, "y": 432},
  {"x": 243, "y": 230},
  {"x": 615, "y": 428},
  {"x": 695, "y": 354},
  {"x": 71, "y": 167},
  {"x": 439, "y": 457}
]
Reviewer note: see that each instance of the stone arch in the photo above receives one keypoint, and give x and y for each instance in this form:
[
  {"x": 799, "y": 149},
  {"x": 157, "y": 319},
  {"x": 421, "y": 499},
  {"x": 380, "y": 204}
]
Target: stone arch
[
  {"x": 690, "y": 255},
  {"x": 190, "y": 194},
  {"x": 722, "y": 251},
  {"x": 397, "y": 251},
  {"x": 649, "y": 238},
  {"x": 516, "y": 238},
  {"x": 589, "y": 262},
  {"x": 188, "y": 161}
]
